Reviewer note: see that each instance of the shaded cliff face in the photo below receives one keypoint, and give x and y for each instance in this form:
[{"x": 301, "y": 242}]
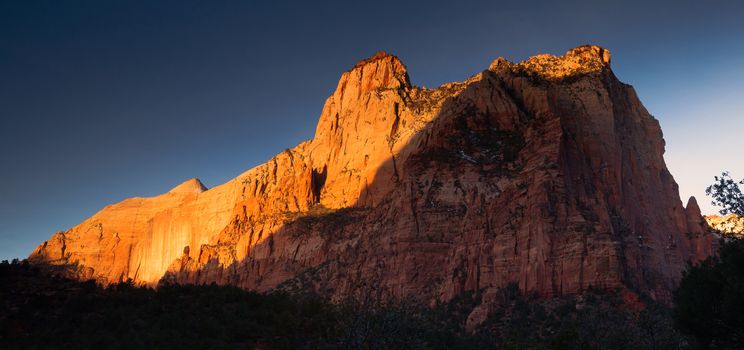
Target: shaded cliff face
[{"x": 548, "y": 173}]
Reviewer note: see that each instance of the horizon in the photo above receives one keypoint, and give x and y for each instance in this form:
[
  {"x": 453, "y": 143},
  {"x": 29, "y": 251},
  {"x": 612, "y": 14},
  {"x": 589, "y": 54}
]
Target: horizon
[{"x": 106, "y": 102}]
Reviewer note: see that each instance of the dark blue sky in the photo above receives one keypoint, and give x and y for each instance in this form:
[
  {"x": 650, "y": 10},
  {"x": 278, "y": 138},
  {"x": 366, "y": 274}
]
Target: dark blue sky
[{"x": 100, "y": 101}]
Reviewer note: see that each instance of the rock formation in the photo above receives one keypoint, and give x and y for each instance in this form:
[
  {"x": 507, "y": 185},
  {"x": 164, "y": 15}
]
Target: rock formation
[
  {"x": 548, "y": 173},
  {"x": 726, "y": 224}
]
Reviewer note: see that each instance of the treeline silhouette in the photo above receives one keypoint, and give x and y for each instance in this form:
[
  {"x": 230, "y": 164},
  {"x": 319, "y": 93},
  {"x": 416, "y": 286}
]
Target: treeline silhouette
[{"x": 43, "y": 311}]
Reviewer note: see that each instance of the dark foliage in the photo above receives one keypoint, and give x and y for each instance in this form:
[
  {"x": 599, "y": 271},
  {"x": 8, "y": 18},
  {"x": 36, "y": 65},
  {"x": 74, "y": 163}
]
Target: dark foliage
[
  {"x": 709, "y": 302},
  {"x": 594, "y": 320},
  {"x": 727, "y": 194},
  {"x": 38, "y": 311},
  {"x": 45, "y": 312}
]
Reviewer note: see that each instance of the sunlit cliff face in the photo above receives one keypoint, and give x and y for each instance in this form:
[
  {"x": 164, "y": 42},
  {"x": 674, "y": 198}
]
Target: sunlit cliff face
[
  {"x": 548, "y": 173},
  {"x": 140, "y": 238}
]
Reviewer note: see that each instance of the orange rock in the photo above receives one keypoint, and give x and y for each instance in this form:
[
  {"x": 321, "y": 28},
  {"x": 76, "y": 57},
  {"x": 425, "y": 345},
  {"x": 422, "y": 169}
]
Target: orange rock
[
  {"x": 726, "y": 224},
  {"x": 548, "y": 173}
]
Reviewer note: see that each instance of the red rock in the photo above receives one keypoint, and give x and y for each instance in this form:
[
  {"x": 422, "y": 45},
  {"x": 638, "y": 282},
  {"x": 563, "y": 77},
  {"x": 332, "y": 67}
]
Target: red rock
[{"x": 548, "y": 173}]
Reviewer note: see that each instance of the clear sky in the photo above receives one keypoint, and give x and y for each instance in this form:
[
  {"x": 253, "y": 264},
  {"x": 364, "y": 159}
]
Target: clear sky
[{"x": 103, "y": 100}]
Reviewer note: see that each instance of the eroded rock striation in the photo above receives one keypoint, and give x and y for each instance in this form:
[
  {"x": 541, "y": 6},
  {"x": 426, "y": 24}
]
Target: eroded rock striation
[{"x": 548, "y": 173}]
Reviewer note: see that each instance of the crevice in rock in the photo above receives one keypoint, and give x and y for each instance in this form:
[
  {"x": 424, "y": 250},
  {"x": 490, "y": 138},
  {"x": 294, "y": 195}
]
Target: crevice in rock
[
  {"x": 396, "y": 122},
  {"x": 317, "y": 181},
  {"x": 413, "y": 209}
]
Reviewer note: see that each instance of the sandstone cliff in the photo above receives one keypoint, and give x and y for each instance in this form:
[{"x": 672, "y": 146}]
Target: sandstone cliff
[{"x": 548, "y": 173}]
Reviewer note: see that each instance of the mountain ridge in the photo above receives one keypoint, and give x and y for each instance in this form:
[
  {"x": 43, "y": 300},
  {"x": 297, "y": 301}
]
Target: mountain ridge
[{"x": 548, "y": 173}]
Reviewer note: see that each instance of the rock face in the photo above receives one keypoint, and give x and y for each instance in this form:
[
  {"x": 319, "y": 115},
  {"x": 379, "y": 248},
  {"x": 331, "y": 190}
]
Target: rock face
[{"x": 548, "y": 173}]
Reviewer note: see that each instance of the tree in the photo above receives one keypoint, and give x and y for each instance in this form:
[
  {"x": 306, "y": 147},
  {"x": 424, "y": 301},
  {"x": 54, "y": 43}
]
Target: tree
[
  {"x": 727, "y": 194},
  {"x": 709, "y": 302}
]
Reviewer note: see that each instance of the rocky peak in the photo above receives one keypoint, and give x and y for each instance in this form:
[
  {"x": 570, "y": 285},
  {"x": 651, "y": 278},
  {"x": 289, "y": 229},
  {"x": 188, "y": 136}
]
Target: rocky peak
[
  {"x": 360, "y": 117},
  {"x": 692, "y": 208},
  {"x": 590, "y": 53},
  {"x": 381, "y": 71},
  {"x": 378, "y": 56},
  {"x": 703, "y": 242},
  {"x": 577, "y": 61},
  {"x": 189, "y": 186}
]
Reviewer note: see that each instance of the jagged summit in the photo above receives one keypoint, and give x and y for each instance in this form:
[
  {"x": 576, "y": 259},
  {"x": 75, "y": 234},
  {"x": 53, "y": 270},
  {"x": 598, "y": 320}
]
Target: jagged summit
[
  {"x": 382, "y": 70},
  {"x": 705, "y": 243},
  {"x": 385, "y": 70},
  {"x": 591, "y": 52},
  {"x": 579, "y": 60},
  {"x": 692, "y": 205},
  {"x": 193, "y": 185},
  {"x": 378, "y": 56}
]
